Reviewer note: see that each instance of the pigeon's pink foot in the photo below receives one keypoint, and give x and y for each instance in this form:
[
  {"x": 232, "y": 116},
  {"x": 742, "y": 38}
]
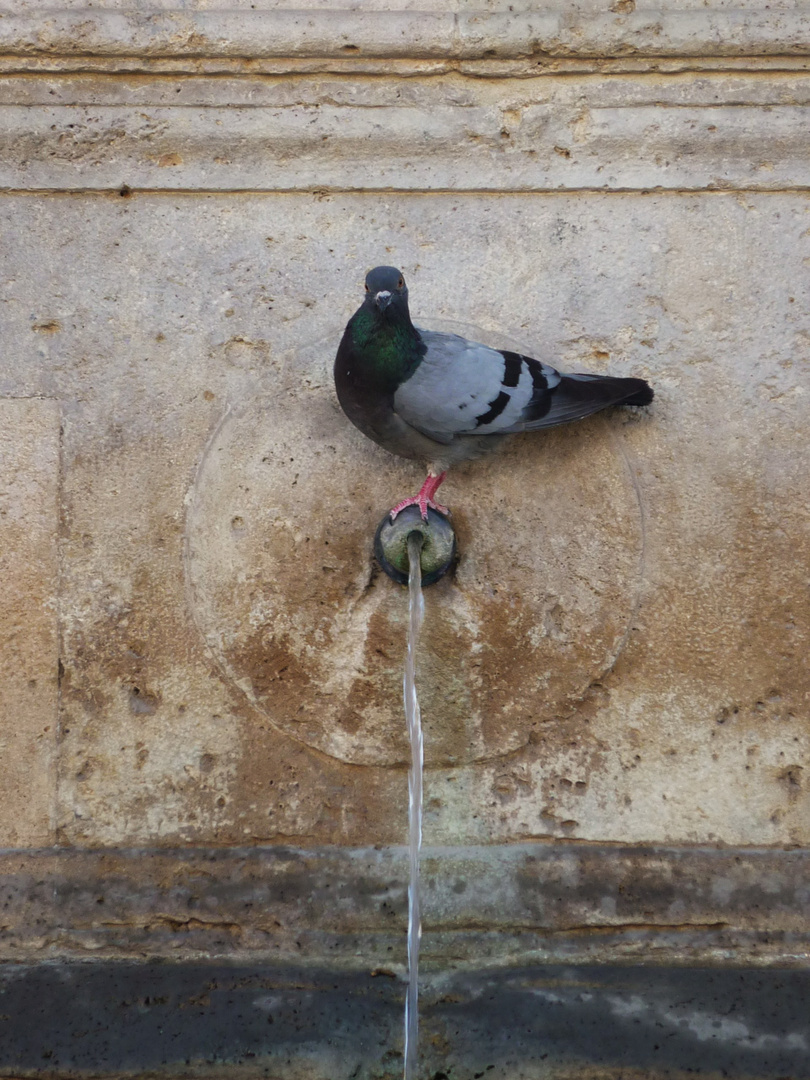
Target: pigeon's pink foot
[{"x": 424, "y": 499}]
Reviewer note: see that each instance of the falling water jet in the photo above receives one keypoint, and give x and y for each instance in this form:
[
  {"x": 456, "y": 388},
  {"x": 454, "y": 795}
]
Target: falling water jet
[
  {"x": 416, "y": 613},
  {"x": 418, "y": 552}
]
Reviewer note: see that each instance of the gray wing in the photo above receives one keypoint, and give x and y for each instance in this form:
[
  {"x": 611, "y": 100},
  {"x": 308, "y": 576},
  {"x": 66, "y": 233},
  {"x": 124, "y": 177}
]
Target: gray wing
[{"x": 464, "y": 388}]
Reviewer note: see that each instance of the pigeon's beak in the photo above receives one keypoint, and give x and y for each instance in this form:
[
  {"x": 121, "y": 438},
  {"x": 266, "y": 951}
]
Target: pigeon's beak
[{"x": 382, "y": 299}]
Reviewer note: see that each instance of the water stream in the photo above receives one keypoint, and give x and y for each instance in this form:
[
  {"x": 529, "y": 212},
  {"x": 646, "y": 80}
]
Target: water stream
[{"x": 416, "y": 612}]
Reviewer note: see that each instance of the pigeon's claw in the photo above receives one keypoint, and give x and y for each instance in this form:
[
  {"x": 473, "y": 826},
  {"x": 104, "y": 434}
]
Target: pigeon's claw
[
  {"x": 424, "y": 499},
  {"x": 422, "y": 503}
]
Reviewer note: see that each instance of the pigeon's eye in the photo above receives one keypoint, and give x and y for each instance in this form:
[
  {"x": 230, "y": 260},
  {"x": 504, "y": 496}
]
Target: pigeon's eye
[{"x": 400, "y": 283}]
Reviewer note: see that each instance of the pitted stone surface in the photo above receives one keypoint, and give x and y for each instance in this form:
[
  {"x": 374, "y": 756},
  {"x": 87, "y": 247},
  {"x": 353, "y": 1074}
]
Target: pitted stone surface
[
  {"x": 528, "y": 1022},
  {"x": 559, "y": 902},
  {"x": 335, "y": 132},
  {"x": 29, "y": 523},
  {"x": 455, "y": 30},
  {"x": 298, "y": 616},
  {"x": 200, "y": 718},
  {"x": 514, "y": 189},
  {"x": 699, "y": 731}
]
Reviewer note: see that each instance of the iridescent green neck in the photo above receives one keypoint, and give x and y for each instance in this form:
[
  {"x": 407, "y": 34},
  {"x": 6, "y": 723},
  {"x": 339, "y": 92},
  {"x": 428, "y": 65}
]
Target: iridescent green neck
[{"x": 390, "y": 348}]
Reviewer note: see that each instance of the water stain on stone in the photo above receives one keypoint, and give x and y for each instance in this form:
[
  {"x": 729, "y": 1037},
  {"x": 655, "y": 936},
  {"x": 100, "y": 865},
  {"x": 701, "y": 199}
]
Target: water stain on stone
[{"x": 321, "y": 640}]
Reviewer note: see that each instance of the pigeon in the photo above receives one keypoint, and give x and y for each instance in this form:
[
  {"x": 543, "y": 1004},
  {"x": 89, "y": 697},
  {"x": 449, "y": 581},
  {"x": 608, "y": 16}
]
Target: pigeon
[{"x": 440, "y": 399}]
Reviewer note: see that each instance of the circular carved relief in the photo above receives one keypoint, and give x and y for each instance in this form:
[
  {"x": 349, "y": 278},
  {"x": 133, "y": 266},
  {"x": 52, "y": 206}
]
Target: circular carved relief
[{"x": 285, "y": 591}]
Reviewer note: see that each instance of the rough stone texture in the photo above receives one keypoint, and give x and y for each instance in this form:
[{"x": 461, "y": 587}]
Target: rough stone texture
[
  {"x": 29, "y": 479},
  {"x": 483, "y": 905},
  {"x": 319, "y": 648},
  {"x": 455, "y": 29},
  {"x": 529, "y": 1023},
  {"x": 451, "y": 132},
  {"x": 189, "y": 198},
  {"x": 699, "y": 731}
]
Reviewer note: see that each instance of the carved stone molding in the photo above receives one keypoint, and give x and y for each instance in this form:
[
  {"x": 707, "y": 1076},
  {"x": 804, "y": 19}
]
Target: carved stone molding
[
  {"x": 559, "y": 30},
  {"x": 571, "y": 903},
  {"x": 622, "y": 132}
]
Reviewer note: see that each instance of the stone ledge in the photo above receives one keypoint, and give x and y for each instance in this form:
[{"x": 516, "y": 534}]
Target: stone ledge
[
  {"x": 326, "y": 1023},
  {"x": 550, "y": 145},
  {"x": 573, "y": 902},
  {"x": 564, "y": 31}
]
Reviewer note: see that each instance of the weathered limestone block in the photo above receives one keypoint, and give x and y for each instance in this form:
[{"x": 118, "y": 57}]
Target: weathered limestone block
[
  {"x": 190, "y": 199},
  {"x": 29, "y": 523},
  {"x": 201, "y": 732},
  {"x": 699, "y": 731},
  {"x": 451, "y": 29},
  {"x": 297, "y": 615},
  {"x": 536, "y": 134},
  {"x": 558, "y": 903}
]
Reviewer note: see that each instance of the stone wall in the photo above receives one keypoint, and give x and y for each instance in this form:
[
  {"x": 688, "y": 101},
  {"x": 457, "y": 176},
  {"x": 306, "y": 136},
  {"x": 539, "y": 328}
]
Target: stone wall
[{"x": 199, "y": 652}]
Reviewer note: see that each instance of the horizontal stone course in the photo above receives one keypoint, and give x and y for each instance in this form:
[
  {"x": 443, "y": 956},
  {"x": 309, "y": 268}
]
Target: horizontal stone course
[
  {"x": 213, "y": 1019},
  {"x": 564, "y": 30},
  {"x": 575, "y": 903},
  {"x": 556, "y": 144}
]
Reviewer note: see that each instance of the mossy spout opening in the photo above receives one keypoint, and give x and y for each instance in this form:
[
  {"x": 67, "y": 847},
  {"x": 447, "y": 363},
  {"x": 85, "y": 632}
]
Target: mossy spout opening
[{"x": 438, "y": 544}]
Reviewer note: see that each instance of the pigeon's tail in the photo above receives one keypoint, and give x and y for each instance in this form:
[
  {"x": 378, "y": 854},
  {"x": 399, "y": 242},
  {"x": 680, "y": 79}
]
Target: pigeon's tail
[
  {"x": 639, "y": 392},
  {"x": 577, "y": 396}
]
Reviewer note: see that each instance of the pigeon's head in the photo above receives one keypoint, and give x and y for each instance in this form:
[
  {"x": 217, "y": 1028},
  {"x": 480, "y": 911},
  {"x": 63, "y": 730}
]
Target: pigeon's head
[{"x": 386, "y": 289}]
